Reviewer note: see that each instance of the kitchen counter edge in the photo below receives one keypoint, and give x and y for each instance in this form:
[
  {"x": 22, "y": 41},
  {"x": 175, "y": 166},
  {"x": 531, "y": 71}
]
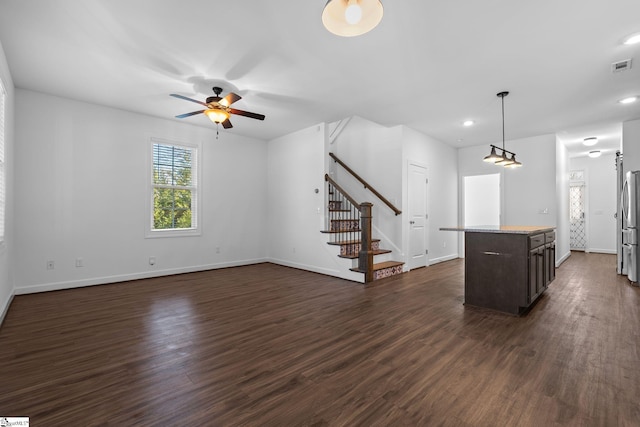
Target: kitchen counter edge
[{"x": 502, "y": 230}]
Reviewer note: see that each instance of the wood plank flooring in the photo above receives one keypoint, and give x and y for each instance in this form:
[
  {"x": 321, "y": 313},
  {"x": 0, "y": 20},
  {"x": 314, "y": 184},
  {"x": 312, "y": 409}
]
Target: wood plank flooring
[{"x": 267, "y": 345}]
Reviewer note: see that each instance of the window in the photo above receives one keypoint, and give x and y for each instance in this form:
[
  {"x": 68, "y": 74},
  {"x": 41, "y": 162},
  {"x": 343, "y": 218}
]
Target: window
[
  {"x": 3, "y": 180},
  {"x": 174, "y": 189}
]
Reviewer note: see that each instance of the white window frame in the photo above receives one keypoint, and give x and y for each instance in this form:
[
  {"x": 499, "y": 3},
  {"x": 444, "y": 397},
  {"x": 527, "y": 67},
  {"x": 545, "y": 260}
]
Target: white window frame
[
  {"x": 3, "y": 166},
  {"x": 196, "y": 229}
]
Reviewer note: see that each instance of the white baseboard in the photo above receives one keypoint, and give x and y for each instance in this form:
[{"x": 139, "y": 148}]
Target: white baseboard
[
  {"x": 443, "y": 259},
  {"x": 602, "y": 251},
  {"x": 562, "y": 259},
  {"x": 347, "y": 275},
  {"x": 44, "y": 287},
  {"x": 5, "y": 309}
]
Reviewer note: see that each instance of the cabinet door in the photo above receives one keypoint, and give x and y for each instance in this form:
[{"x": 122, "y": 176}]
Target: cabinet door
[
  {"x": 552, "y": 262},
  {"x": 547, "y": 264},
  {"x": 540, "y": 285},
  {"x": 533, "y": 276}
]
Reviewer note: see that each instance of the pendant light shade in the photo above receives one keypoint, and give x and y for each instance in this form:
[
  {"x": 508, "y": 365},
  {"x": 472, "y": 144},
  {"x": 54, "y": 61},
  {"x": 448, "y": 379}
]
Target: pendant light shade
[
  {"x": 514, "y": 163},
  {"x": 492, "y": 157},
  {"x": 504, "y": 160},
  {"x": 349, "y": 18}
]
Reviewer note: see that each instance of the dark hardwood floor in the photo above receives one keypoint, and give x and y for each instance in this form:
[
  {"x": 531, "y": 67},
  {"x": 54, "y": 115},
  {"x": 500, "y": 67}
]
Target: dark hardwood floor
[{"x": 268, "y": 345}]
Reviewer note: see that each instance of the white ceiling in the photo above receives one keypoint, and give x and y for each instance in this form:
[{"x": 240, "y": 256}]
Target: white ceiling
[{"x": 429, "y": 65}]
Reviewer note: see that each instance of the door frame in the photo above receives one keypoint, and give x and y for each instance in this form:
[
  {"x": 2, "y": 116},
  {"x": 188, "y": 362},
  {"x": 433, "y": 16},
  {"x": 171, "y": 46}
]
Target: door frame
[{"x": 585, "y": 184}]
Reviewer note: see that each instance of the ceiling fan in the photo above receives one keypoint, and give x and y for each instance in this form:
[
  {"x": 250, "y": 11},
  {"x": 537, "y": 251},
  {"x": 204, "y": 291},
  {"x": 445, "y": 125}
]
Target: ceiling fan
[{"x": 219, "y": 109}]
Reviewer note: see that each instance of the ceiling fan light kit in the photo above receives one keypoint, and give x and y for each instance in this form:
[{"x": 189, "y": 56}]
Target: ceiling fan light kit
[
  {"x": 502, "y": 159},
  {"x": 349, "y": 18},
  {"x": 217, "y": 115}
]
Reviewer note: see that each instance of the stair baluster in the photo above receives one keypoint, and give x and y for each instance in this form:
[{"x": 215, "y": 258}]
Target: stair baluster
[{"x": 349, "y": 225}]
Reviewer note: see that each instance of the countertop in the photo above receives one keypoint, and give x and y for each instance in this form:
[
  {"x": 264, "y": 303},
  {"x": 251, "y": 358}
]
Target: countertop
[{"x": 506, "y": 229}]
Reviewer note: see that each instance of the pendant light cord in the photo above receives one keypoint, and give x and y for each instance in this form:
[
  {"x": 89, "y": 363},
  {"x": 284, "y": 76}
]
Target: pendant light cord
[{"x": 503, "y": 120}]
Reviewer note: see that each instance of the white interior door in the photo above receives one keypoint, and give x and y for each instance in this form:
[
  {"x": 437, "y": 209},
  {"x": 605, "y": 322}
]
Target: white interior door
[{"x": 417, "y": 216}]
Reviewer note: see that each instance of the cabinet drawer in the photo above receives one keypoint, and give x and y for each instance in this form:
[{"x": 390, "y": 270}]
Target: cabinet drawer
[
  {"x": 535, "y": 241},
  {"x": 550, "y": 237}
]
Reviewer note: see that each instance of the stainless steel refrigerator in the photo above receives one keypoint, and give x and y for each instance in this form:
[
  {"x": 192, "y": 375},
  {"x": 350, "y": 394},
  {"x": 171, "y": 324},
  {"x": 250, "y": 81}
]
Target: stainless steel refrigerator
[{"x": 630, "y": 210}]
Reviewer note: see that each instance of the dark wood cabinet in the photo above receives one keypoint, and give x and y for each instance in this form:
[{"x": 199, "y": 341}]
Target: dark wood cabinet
[{"x": 508, "y": 271}]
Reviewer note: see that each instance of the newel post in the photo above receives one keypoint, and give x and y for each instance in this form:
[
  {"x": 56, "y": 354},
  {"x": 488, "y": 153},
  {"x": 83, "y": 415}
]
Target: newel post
[{"x": 365, "y": 257}]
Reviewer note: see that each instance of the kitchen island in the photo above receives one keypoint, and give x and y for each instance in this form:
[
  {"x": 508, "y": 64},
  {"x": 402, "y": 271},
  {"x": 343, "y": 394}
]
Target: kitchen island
[{"x": 507, "y": 268}]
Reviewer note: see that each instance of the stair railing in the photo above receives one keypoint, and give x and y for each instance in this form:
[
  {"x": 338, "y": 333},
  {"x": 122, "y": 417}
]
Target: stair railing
[
  {"x": 349, "y": 223},
  {"x": 366, "y": 184}
]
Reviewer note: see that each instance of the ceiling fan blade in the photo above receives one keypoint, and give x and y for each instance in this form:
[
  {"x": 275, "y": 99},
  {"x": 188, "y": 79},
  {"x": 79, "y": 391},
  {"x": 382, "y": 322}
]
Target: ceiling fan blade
[
  {"x": 188, "y": 99},
  {"x": 230, "y": 99},
  {"x": 227, "y": 124},
  {"x": 247, "y": 114},
  {"x": 193, "y": 113}
]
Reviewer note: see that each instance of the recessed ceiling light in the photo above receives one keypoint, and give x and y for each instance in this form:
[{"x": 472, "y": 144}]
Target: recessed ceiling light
[
  {"x": 590, "y": 141},
  {"x": 468, "y": 123},
  {"x": 628, "y": 100},
  {"x": 594, "y": 154},
  {"x": 632, "y": 39}
]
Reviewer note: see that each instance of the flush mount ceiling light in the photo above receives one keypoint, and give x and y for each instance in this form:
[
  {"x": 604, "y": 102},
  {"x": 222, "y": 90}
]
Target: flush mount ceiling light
[
  {"x": 590, "y": 141},
  {"x": 502, "y": 160},
  {"x": 632, "y": 39},
  {"x": 468, "y": 123},
  {"x": 349, "y": 18},
  {"x": 594, "y": 154},
  {"x": 629, "y": 100}
]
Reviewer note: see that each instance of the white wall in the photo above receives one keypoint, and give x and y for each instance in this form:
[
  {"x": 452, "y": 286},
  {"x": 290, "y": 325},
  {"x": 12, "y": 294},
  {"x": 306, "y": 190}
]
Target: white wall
[
  {"x": 563, "y": 250},
  {"x": 442, "y": 191},
  {"x": 528, "y": 193},
  {"x": 600, "y": 182},
  {"x": 296, "y": 213},
  {"x": 81, "y": 184},
  {"x": 6, "y": 248},
  {"x": 631, "y": 145}
]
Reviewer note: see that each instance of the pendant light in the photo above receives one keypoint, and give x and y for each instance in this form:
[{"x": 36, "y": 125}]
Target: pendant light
[
  {"x": 504, "y": 159},
  {"x": 349, "y": 18}
]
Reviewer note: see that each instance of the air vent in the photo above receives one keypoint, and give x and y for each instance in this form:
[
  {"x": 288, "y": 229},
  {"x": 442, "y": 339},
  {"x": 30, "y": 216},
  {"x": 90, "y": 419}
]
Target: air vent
[{"x": 621, "y": 66}]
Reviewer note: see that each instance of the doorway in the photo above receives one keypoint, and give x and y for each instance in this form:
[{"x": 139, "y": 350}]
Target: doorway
[
  {"x": 577, "y": 224},
  {"x": 482, "y": 200}
]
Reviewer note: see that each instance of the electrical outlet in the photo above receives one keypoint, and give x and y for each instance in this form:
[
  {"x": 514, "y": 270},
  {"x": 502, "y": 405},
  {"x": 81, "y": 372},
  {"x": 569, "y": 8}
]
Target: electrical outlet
[
  {"x": 50, "y": 265},
  {"x": 218, "y": 250},
  {"x": 444, "y": 244},
  {"x": 79, "y": 262},
  {"x": 152, "y": 260}
]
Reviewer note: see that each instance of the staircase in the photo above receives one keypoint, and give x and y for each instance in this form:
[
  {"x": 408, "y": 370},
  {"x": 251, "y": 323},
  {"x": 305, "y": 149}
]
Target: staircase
[{"x": 349, "y": 226}]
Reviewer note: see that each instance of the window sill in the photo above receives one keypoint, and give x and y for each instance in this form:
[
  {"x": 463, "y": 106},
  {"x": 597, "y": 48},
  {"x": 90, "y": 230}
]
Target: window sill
[{"x": 187, "y": 232}]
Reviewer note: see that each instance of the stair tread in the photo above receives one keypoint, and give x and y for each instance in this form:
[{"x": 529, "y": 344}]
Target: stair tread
[
  {"x": 375, "y": 252},
  {"x": 380, "y": 266},
  {"x": 349, "y": 242}
]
